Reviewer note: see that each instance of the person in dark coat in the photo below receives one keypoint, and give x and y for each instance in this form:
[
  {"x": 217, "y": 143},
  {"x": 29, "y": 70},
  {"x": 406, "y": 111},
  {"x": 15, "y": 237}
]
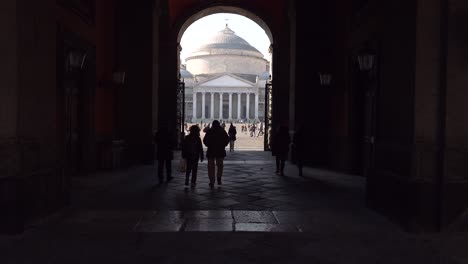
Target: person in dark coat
[
  {"x": 192, "y": 150},
  {"x": 280, "y": 148},
  {"x": 299, "y": 148},
  {"x": 216, "y": 139},
  {"x": 164, "y": 153},
  {"x": 232, "y": 136}
]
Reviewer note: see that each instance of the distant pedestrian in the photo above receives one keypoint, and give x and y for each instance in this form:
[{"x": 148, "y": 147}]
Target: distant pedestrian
[
  {"x": 216, "y": 139},
  {"x": 260, "y": 130},
  {"x": 280, "y": 148},
  {"x": 192, "y": 150},
  {"x": 164, "y": 152},
  {"x": 232, "y": 136}
]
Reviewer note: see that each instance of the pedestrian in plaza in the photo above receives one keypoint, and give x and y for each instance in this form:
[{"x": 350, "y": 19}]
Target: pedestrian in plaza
[
  {"x": 232, "y": 136},
  {"x": 164, "y": 141},
  {"x": 260, "y": 130},
  {"x": 216, "y": 139},
  {"x": 192, "y": 151},
  {"x": 280, "y": 147},
  {"x": 298, "y": 148}
]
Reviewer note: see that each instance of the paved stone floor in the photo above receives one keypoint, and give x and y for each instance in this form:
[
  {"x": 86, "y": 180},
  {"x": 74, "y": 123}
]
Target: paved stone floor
[{"x": 256, "y": 216}]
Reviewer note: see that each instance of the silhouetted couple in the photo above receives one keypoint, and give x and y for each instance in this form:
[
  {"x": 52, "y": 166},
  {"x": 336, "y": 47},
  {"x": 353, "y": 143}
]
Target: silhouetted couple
[{"x": 216, "y": 139}]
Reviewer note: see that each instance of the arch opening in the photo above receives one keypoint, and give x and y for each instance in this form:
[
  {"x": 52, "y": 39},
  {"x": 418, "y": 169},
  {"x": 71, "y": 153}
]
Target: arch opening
[{"x": 225, "y": 81}]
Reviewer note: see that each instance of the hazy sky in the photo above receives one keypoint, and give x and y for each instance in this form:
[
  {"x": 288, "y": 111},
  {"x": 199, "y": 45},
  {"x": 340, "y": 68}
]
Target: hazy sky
[{"x": 207, "y": 26}]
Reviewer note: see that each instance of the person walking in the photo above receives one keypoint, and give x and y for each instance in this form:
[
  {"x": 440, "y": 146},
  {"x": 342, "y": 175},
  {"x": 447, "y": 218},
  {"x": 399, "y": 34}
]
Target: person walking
[
  {"x": 192, "y": 150},
  {"x": 164, "y": 147},
  {"x": 216, "y": 139},
  {"x": 299, "y": 148},
  {"x": 232, "y": 136},
  {"x": 280, "y": 148}
]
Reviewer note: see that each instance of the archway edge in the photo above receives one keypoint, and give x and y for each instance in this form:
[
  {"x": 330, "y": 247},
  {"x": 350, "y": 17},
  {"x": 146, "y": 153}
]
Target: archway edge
[{"x": 224, "y": 9}]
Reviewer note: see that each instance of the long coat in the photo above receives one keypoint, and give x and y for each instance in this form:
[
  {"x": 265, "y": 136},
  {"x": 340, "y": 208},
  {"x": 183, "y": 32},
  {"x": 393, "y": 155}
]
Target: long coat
[
  {"x": 280, "y": 144},
  {"x": 216, "y": 139},
  {"x": 164, "y": 145}
]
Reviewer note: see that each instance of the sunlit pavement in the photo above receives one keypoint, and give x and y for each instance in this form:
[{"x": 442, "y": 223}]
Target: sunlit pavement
[{"x": 255, "y": 216}]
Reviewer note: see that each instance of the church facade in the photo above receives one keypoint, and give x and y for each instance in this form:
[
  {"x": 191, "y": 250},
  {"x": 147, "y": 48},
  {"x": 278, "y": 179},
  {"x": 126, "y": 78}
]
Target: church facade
[{"x": 225, "y": 79}]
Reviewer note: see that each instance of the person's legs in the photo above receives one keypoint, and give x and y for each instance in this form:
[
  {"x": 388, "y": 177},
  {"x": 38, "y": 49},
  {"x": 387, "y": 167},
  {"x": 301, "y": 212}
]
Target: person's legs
[
  {"x": 211, "y": 171},
  {"x": 231, "y": 145},
  {"x": 169, "y": 170},
  {"x": 283, "y": 162},
  {"x": 194, "y": 171},
  {"x": 299, "y": 166},
  {"x": 160, "y": 170},
  {"x": 188, "y": 169},
  {"x": 277, "y": 164},
  {"x": 219, "y": 164}
]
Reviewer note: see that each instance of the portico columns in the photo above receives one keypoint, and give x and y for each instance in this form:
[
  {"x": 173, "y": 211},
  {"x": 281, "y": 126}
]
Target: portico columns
[
  {"x": 230, "y": 106},
  {"x": 256, "y": 106},
  {"x": 194, "y": 116},
  {"x": 247, "y": 114},
  {"x": 238, "y": 105},
  {"x": 212, "y": 106},
  {"x": 203, "y": 116},
  {"x": 220, "y": 105}
]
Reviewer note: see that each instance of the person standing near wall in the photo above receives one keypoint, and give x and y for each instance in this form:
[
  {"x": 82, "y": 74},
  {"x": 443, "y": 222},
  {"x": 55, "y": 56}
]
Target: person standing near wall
[
  {"x": 280, "y": 148},
  {"x": 216, "y": 139},
  {"x": 164, "y": 147}
]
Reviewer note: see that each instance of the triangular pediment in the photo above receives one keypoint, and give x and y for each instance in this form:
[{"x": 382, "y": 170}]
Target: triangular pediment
[{"x": 226, "y": 80}]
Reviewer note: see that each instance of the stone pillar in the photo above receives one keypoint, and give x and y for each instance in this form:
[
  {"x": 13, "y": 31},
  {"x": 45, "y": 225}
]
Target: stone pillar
[
  {"x": 238, "y": 105},
  {"x": 203, "y": 116},
  {"x": 230, "y": 106},
  {"x": 194, "y": 106},
  {"x": 256, "y": 106},
  {"x": 212, "y": 106},
  {"x": 247, "y": 104},
  {"x": 220, "y": 105}
]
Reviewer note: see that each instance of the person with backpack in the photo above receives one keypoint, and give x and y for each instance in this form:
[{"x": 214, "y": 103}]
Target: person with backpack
[
  {"x": 192, "y": 150},
  {"x": 216, "y": 139}
]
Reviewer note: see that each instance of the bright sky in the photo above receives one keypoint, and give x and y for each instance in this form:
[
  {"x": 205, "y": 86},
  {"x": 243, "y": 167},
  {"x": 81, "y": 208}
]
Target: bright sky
[{"x": 207, "y": 26}]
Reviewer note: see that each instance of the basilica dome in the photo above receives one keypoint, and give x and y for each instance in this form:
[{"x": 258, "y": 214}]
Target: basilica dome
[
  {"x": 227, "y": 40},
  {"x": 226, "y": 52}
]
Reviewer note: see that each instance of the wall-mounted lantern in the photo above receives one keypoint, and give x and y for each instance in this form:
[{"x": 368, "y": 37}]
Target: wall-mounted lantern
[
  {"x": 119, "y": 77},
  {"x": 366, "y": 61},
  {"x": 76, "y": 59},
  {"x": 325, "y": 79}
]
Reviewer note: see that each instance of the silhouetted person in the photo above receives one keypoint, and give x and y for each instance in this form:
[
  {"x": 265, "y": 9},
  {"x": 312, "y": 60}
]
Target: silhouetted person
[
  {"x": 164, "y": 146},
  {"x": 232, "y": 136},
  {"x": 192, "y": 150},
  {"x": 280, "y": 148},
  {"x": 299, "y": 148},
  {"x": 216, "y": 139}
]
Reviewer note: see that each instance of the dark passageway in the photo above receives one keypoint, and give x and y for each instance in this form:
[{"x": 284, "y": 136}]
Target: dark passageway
[
  {"x": 256, "y": 216},
  {"x": 84, "y": 85}
]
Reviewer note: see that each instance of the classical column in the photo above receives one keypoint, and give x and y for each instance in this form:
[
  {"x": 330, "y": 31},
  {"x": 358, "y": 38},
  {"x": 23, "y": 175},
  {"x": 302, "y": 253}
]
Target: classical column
[
  {"x": 247, "y": 114},
  {"x": 212, "y": 106},
  {"x": 194, "y": 106},
  {"x": 230, "y": 106},
  {"x": 203, "y": 106},
  {"x": 256, "y": 106},
  {"x": 220, "y": 105},
  {"x": 238, "y": 105}
]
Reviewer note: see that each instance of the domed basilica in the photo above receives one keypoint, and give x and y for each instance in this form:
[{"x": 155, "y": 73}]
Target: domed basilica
[{"x": 225, "y": 79}]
